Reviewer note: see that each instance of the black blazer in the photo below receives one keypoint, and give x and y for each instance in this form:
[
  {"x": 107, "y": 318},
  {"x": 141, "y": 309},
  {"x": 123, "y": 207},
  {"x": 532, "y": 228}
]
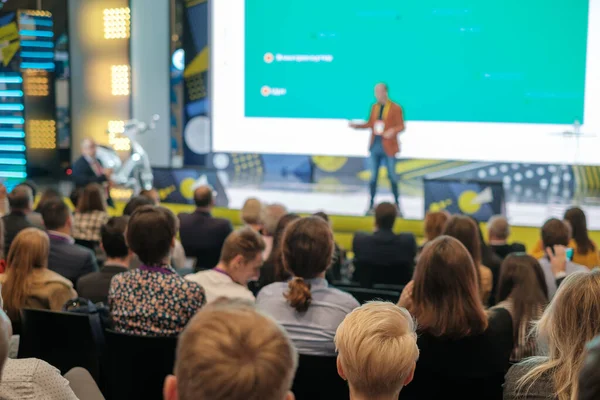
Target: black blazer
[
  {"x": 470, "y": 368},
  {"x": 94, "y": 286},
  {"x": 83, "y": 174},
  {"x": 384, "y": 257},
  {"x": 502, "y": 250},
  {"x": 14, "y": 223},
  {"x": 71, "y": 260},
  {"x": 202, "y": 236}
]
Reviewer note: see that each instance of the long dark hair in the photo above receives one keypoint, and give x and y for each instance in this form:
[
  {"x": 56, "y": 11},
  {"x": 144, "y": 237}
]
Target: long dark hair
[
  {"x": 446, "y": 299},
  {"x": 522, "y": 279},
  {"x": 307, "y": 248},
  {"x": 274, "y": 258},
  {"x": 576, "y": 218}
]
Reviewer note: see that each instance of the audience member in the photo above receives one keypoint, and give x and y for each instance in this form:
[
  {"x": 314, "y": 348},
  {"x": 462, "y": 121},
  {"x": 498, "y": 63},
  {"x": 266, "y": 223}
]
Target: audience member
[
  {"x": 569, "y": 322},
  {"x": 201, "y": 234},
  {"x": 334, "y": 272},
  {"x": 240, "y": 263},
  {"x": 252, "y": 214},
  {"x": 498, "y": 233},
  {"x": 21, "y": 205},
  {"x": 555, "y": 234},
  {"x": 377, "y": 350},
  {"x": 90, "y": 216},
  {"x": 273, "y": 269},
  {"x": 27, "y": 282},
  {"x": 433, "y": 225},
  {"x": 136, "y": 202},
  {"x": 383, "y": 256},
  {"x": 152, "y": 300},
  {"x": 2, "y": 249},
  {"x": 48, "y": 194},
  {"x": 152, "y": 194},
  {"x": 230, "y": 351},
  {"x": 465, "y": 230},
  {"x": 272, "y": 215},
  {"x": 523, "y": 293},
  {"x": 589, "y": 378},
  {"x": 66, "y": 258},
  {"x": 490, "y": 260},
  {"x": 88, "y": 169},
  {"x": 94, "y": 286},
  {"x": 585, "y": 250},
  {"x": 177, "y": 255},
  {"x": 464, "y": 353},
  {"x": 308, "y": 309},
  {"x": 28, "y": 378}
]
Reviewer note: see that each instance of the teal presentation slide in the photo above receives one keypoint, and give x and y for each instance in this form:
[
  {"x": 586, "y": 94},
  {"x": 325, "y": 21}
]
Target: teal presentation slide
[{"x": 504, "y": 61}]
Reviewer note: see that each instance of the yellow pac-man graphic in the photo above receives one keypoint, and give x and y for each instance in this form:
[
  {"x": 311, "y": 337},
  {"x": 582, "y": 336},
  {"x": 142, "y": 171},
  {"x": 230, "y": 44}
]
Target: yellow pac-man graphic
[
  {"x": 329, "y": 164},
  {"x": 469, "y": 201},
  {"x": 186, "y": 188}
]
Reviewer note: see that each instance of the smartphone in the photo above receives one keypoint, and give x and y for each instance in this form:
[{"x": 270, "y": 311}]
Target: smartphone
[{"x": 569, "y": 253}]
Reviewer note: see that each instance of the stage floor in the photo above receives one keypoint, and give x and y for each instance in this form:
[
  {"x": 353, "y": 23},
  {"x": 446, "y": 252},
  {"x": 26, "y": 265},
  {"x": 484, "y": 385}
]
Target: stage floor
[{"x": 528, "y": 207}]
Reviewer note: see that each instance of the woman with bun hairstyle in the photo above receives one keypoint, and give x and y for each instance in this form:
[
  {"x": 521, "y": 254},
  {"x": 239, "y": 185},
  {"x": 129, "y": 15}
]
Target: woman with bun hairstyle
[{"x": 305, "y": 305}]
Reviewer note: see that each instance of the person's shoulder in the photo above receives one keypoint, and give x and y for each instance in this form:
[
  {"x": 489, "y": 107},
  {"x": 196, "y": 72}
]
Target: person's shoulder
[
  {"x": 51, "y": 278},
  {"x": 517, "y": 371},
  {"x": 88, "y": 279},
  {"x": 198, "y": 277},
  {"x": 272, "y": 289},
  {"x": 345, "y": 298}
]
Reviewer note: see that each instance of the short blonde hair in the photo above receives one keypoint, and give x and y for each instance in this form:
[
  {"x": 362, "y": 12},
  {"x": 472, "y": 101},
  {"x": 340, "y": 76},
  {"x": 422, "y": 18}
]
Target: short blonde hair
[
  {"x": 377, "y": 348},
  {"x": 231, "y": 351},
  {"x": 252, "y": 211}
]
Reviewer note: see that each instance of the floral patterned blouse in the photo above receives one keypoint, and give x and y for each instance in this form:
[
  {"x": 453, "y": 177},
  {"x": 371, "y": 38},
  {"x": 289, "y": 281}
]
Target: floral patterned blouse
[{"x": 153, "y": 303}]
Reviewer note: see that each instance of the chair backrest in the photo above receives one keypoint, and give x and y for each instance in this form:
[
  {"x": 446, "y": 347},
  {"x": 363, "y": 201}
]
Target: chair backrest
[
  {"x": 64, "y": 340},
  {"x": 317, "y": 378},
  {"x": 135, "y": 367},
  {"x": 369, "y": 274},
  {"x": 363, "y": 295}
]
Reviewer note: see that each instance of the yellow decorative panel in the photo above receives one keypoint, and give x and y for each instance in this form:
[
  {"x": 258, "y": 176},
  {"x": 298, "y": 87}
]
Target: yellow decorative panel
[
  {"x": 40, "y": 134},
  {"x": 118, "y": 142}
]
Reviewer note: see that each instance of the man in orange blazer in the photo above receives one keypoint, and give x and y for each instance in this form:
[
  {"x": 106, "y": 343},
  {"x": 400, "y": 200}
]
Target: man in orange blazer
[{"x": 386, "y": 121}]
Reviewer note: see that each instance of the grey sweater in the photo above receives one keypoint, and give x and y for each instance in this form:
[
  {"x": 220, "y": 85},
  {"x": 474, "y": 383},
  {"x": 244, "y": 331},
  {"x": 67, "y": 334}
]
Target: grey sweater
[{"x": 542, "y": 389}]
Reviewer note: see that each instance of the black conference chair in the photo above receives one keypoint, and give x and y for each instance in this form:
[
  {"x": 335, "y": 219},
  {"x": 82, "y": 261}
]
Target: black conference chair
[
  {"x": 393, "y": 288},
  {"x": 135, "y": 367},
  {"x": 64, "y": 340},
  {"x": 317, "y": 378},
  {"x": 363, "y": 295},
  {"x": 372, "y": 274}
]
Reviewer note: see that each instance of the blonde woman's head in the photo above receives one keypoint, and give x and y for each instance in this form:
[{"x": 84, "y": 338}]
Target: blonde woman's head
[
  {"x": 571, "y": 320},
  {"x": 377, "y": 349}
]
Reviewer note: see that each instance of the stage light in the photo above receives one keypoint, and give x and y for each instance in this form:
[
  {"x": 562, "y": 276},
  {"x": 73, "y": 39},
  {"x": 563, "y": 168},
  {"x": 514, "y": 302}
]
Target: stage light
[
  {"x": 118, "y": 142},
  {"x": 117, "y": 23},
  {"x": 41, "y": 134},
  {"x": 120, "y": 80}
]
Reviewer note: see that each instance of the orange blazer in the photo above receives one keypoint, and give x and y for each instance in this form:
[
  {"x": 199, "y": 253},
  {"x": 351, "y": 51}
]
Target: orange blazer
[{"x": 393, "y": 118}]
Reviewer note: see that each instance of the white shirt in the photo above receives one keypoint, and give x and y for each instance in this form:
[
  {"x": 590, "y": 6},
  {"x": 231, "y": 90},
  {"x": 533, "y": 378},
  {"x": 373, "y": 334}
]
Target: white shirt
[
  {"x": 218, "y": 284},
  {"x": 34, "y": 379}
]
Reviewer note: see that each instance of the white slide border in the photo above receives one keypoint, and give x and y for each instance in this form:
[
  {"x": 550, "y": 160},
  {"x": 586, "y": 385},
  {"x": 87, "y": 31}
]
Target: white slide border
[{"x": 498, "y": 142}]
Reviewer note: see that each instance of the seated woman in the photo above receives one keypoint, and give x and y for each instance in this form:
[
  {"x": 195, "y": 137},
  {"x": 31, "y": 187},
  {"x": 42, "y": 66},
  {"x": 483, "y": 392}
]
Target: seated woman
[
  {"x": 306, "y": 306},
  {"x": 90, "y": 216},
  {"x": 568, "y": 324},
  {"x": 252, "y": 214},
  {"x": 523, "y": 293},
  {"x": 153, "y": 300},
  {"x": 27, "y": 282},
  {"x": 464, "y": 353},
  {"x": 433, "y": 226},
  {"x": 466, "y": 231},
  {"x": 273, "y": 270},
  {"x": 585, "y": 250}
]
